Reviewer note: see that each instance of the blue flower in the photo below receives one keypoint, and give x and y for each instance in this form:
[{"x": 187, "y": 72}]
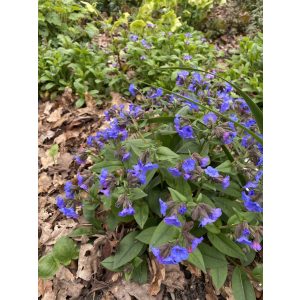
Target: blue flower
[
  {"x": 69, "y": 190},
  {"x": 79, "y": 160},
  {"x": 134, "y": 110},
  {"x": 60, "y": 202},
  {"x": 163, "y": 207},
  {"x": 139, "y": 171},
  {"x": 133, "y": 37},
  {"x": 132, "y": 89},
  {"x": 181, "y": 77},
  {"x": 127, "y": 211},
  {"x": 260, "y": 161},
  {"x": 174, "y": 171},
  {"x": 179, "y": 254},
  {"x": 244, "y": 237},
  {"x": 226, "y": 182},
  {"x": 188, "y": 35},
  {"x": 188, "y": 165},
  {"x": 228, "y": 137},
  {"x": 258, "y": 176},
  {"x": 126, "y": 156},
  {"x": 158, "y": 93},
  {"x": 195, "y": 243},
  {"x": 211, "y": 172},
  {"x": 182, "y": 209},
  {"x": 68, "y": 212},
  {"x": 253, "y": 206},
  {"x": 210, "y": 118},
  {"x": 105, "y": 180},
  {"x": 186, "y": 132},
  {"x": 80, "y": 182},
  {"x": 204, "y": 162},
  {"x": 250, "y": 185},
  {"x": 187, "y": 57},
  {"x": 145, "y": 44},
  {"x": 211, "y": 217},
  {"x": 172, "y": 221}
]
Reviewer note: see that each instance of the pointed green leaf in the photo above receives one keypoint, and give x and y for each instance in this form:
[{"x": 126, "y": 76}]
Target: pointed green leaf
[
  {"x": 146, "y": 235},
  {"x": 212, "y": 257},
  {"x": 128, "y": 249},
  {"x": 196, "y": 259},
  {"x": 141, "y": 213},
  {"x": 225, "y": 245},
  {"x": 164, "y": 234},
  {"x": 241, "y": 286},
  {"x": 219, "y": 276}
]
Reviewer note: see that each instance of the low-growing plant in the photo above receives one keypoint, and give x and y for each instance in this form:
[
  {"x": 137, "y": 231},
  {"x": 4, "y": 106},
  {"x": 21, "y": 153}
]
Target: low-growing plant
[
  {"x": 181, "y": 173},
  {"x": 245, "y": 67}
]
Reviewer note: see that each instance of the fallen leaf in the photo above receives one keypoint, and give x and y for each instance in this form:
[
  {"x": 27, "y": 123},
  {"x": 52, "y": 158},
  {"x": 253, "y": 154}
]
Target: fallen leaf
[
  {"x": 46, "y": 160},
  {"x": 48, "y": 293},
  {"x": 44, "y": 182},
  {"x": 48, "y": 108},
  {"x": 67, "y": 289},
  {"x": 159, "y": 273},
  {"x": 174, "y": 278},
  {"x": 54, "y": 116},
  {"x": 64, "y": 274},
  {"x": 65, "y": 160},
  {"x": 84, "y": 262},
  {"x": 227, "y": 293}
]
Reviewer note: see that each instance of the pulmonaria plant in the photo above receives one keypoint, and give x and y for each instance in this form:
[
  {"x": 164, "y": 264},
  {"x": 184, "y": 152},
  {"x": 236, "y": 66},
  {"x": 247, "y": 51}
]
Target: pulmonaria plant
[{"x": 181, "y": 173}]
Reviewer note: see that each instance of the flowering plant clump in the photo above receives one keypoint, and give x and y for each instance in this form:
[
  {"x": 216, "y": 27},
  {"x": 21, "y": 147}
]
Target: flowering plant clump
[{"x": 182, "y": 172}]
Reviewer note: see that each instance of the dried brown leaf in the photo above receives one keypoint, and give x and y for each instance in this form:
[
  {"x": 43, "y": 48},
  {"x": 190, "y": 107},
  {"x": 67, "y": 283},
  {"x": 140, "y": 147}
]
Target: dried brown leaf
[
  {"x": 55, "y": 115},
  {"x": 65, "y": 274},
  {"x": 44, "y": 182},
  {"x": 47, "y": 290},
  {"x": 65, "y": 160},
  {"x": 48, "y": 108},
  {"x": 174, "y": 278},
  {"x": 84, "y": 262},
  {"x": 159, "y": 273}
]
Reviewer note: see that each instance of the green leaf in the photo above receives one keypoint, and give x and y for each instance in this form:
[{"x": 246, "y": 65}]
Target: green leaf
[
  {"x": 48, "y": 266},
  {"x": 189, "y": 147},
  {"x": 141, "y": 213},
  {"x": 196, "y": 259},
  {"x": 64, "y": 250},
  {"x": 219, "y": 276},
  {"x": 109, "y": 165},
  {"x": 176, "y": 196},
  {"x": 241, "y": 286},
  {"x": 258, "y": 273},
  {"x": 212, "y": 228},
  {"x": 137, "y": 26},
  {"x": 128, "y": 249},
  {"x": 136, "y": 193},
  {"x": 79, "y": 102},
  {"x": 146, "y": 235},
  {"x": 89, "y": 213},
  {"x": 212, "y": 257},
  {"x": 108, "y": 263},
  {"x": 140, "y": 273},
  {"x": 225, "y": 245},
  {"x": 84, "y": 231},
  {"x": 53, "y": 151},
  {"x": 226, "y": 167},
  {"x": 164, "y": 153},
  {"x": 164, "y": 234}
]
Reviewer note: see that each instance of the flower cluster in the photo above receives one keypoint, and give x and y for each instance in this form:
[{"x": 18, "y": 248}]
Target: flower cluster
[
  {"x": 185, "y": 131},
  {"x": 244, "y": 235},
  {"x": 69, "y": 212}
]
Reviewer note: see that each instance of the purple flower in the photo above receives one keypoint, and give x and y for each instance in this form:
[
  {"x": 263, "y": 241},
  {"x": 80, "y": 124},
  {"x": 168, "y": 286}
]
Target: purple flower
[
  {"x": 187, "y": 57},
  {"x": 150, "y": 25},
  {"x": 179, "y": 253},
  {"x": 79, "y": 160},
  {"x": 60, "y": 202},
  {"x": 255, "y": 246},
  {"x": 105, "y": 181},
  {"x": 145, "y": 44},
  {"x": 188, "y": 165},
  {"x": 132, "y": 89},
  {"x": 172, "y": 221},
  {"x": 174, "y": 171},
  {"x": 181, "y": 77},
  {"x": 135, "y": 110},
  {"x": 163, "y": 207},
  {"x": 186, "y": 132},
  {"x": 195, "y": 243},
  {"x": 182, "y": 209},
  {"x": 250, "y": 185},
  {"x": 139, "y": 171},
  {"x": 210, "y": 118},
  {"x": 212, "y": 172},
  {"x": 69, "y": 212},
  {"x": 133, "y": 37},
  {"x": 158, "y": 93},
  {"x": 244, "y": 237},
  {"x": 126, "y": 156},
  {"x": 127, "y": 211},
  {"x": 228, "y": 137},
  {"x": 80, "y": 182},
  {"x": 211, "y": 217},
  {"x": 226, "y": 182},
  {"x": 253, "y": 206},
  {"x": 143, "y": 57},
  {"x": 69, "y": 190},
  {"x": 204, "y": 162},
  {"x": 188, "y": 35},
  {"x": 258, "y": 176}
]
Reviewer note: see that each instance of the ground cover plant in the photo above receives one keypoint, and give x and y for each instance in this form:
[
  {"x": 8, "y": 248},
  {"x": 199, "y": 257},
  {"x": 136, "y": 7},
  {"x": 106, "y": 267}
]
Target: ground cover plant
[
  {"x": 168, "y": 178},
  {"x": 183, "y": 173}
]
